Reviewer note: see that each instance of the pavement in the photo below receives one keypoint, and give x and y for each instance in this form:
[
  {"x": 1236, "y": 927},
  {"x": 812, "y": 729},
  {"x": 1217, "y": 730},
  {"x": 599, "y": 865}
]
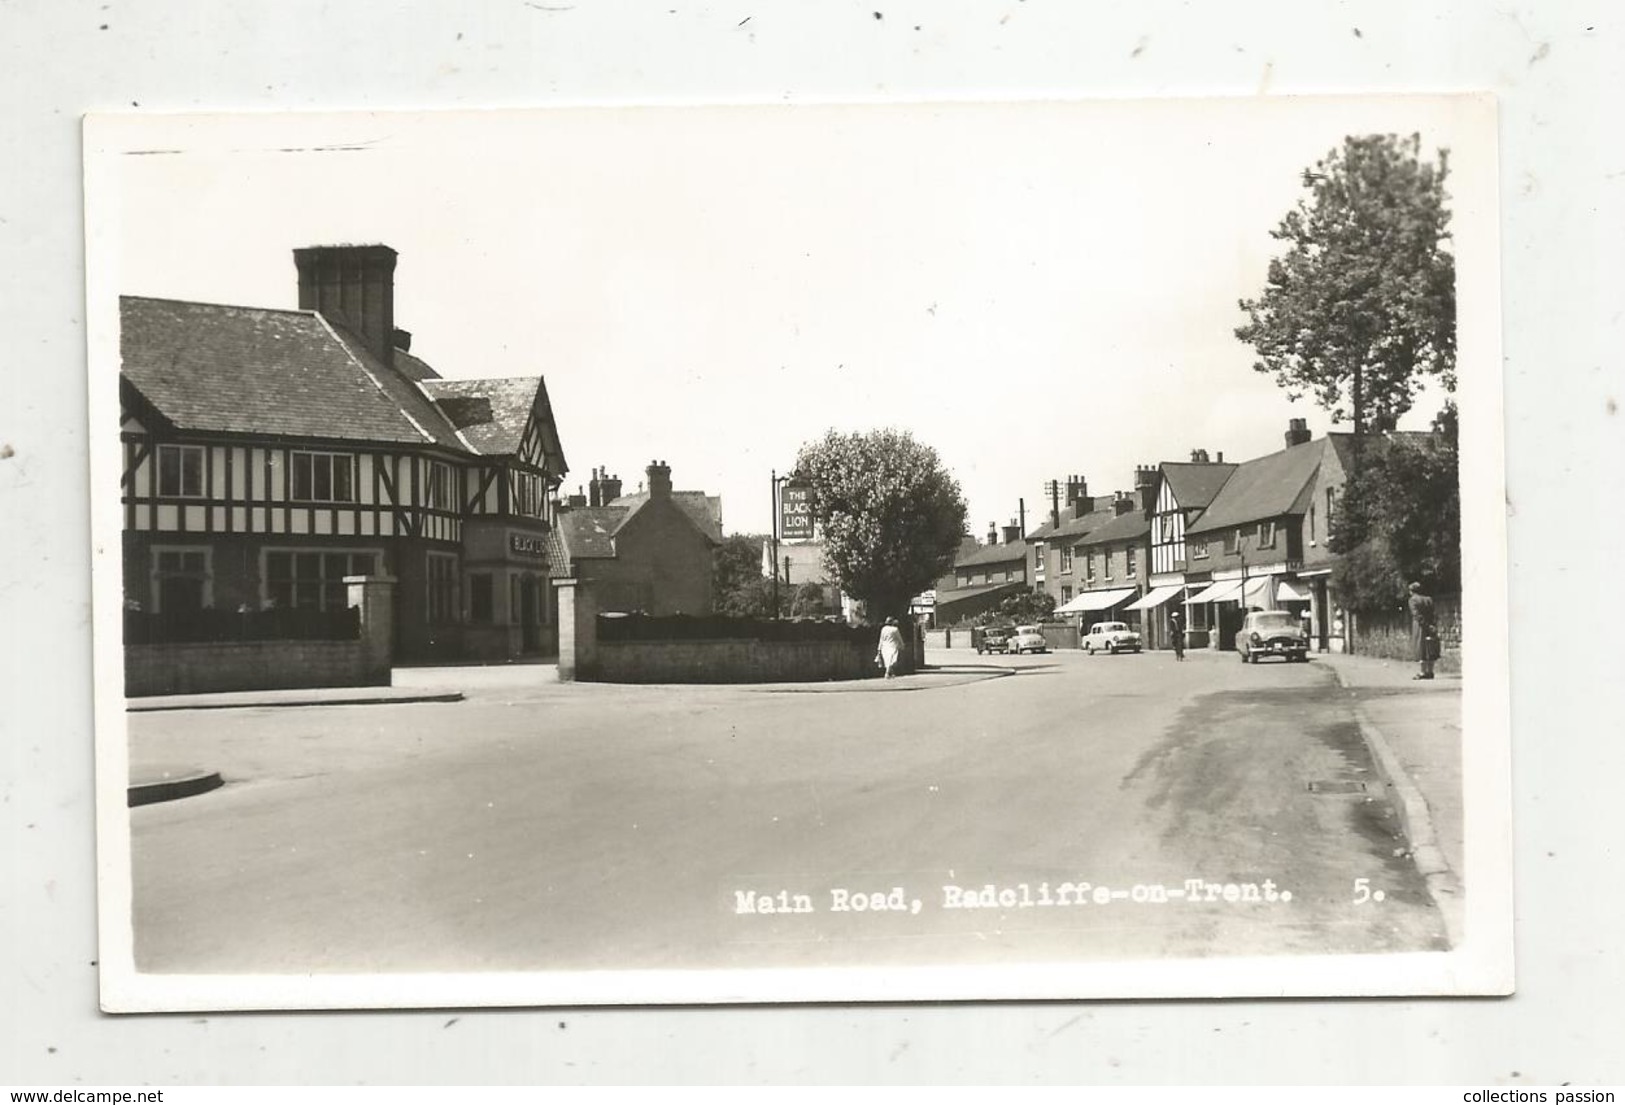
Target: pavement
[{"x": 1413, "y": 728}]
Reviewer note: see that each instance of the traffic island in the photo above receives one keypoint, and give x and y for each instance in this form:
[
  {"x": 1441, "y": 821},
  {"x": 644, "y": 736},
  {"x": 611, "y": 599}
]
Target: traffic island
[{"x": 169, "y": 784}]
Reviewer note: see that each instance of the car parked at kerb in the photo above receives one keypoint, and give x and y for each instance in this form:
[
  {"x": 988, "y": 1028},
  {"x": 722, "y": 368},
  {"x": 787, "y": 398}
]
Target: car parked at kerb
[
  {"x": 1272, "y": 633},
  {"x": 1027, "y": 638},
  {"x": 1113, "y": 637}
]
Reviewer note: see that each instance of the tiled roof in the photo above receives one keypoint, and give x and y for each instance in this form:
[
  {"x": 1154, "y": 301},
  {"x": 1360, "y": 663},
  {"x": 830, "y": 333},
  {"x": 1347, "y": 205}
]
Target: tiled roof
[
  {"x": 1100, "y": 512},
  {"x": 256, "y": 370},
  {"x": 1265, "y": 488},
  {"x": 491, "y": 415},
  {"x": 705, "y": 510},
  {"x": 1195, "y": 485},
  {"x": 1124, "y": 527},
  {"x": 586, "y": 531},
  {"x": 992, "y": 554}
]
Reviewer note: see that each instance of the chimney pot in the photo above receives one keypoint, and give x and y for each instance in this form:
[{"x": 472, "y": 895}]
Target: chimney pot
[{"x": 1297, "y": 431}]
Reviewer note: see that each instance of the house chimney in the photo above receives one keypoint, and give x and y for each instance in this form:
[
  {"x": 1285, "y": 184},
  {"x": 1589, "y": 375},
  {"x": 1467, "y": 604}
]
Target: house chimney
[
  {"x": 1199, "y": 456},
  {"x": 1145, "y": 485},
  {"x": 402, "y": 340},
  {"x": 993, "y": 533},
  {"x": 1122, "y": 503},
  {"x": 1220, "y": 456},
  {"x": 659, "y": 473},
  {"x": 576, "y": 501},
  {"x": 604, "y": 488},
  {"x": 1012, "y": 533},
  {"x": 1297, "y": 432},
  {"x": 1076, "y": 488},
  {"x": 354, "y": 287}
]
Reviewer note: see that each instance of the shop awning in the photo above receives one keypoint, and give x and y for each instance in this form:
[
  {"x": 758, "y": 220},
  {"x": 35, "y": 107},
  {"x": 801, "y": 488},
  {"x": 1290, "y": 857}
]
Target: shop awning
[
  {"x": 1095, "y": 600},
  {"x": 1291, "y": 591},
  {"x": 1218, "y": 592},
  {"x": 1157, "y": 597},
  {"x": 1255, "y": 585}
]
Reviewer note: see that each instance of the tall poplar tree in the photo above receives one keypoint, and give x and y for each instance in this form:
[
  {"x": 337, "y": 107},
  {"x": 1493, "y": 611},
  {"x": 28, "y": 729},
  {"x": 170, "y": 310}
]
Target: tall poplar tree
[{"x": 1360, "y": 310}]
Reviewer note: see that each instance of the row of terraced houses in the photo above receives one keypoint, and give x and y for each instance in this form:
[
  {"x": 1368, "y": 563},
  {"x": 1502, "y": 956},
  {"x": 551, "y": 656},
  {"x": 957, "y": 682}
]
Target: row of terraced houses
[{"x": 1211, "y": 537}]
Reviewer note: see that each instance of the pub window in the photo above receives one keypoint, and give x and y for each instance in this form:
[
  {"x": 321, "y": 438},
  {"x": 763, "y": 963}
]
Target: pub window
[
  {"x": 180, "y": 580},
  {"x": 481, "y": 598},
  {"x": 441, "y": 584},
  {"x": 440, "y": 484},
  {"x": 1128, "y": 560},
  {"x": 527, "y": 494},
  {"x": 1266, "y": 535},
  {"x": 180, "y": 471},
  {"x": 313, "y": 579},
  {"x": 323, "y": 478}
]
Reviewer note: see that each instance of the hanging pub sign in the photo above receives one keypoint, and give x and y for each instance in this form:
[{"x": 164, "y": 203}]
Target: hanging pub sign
[{"x": 795, "y": 512}]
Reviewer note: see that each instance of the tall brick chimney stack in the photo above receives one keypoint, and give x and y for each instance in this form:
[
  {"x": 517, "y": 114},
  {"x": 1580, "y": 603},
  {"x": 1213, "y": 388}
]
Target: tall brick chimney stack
[
  {"x": 1297, "y": 432},
  {"x": 659, "y": 473},
  {"x": 353, "y": 286},
  {"x": 1145, "y": 485}
]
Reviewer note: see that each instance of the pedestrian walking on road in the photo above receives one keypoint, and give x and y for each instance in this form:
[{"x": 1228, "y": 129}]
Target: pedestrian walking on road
[
  {"x": 891, "y": 646},
  {"x": 1176, "y": 632},
  {"x": 1424, "y": 632}
]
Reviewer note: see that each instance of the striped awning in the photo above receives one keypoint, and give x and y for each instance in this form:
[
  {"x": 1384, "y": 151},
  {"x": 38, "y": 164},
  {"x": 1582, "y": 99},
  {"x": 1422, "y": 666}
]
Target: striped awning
[
  {"x": 1218, "y": 592},
  {"x": 1157, "y": 597},
  {"x": 1095, "y": 600}
]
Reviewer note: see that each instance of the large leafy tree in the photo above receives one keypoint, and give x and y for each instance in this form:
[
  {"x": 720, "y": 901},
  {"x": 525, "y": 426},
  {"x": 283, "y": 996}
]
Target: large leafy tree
[
  {"x": 1402, "y": 520},
  {"x": 891, "y": 515},
  {"x": 1360, "y": 310}
]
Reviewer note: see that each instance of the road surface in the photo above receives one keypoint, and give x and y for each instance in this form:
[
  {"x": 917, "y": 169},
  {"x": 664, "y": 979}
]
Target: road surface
[{"x": 1060, "y": 807}]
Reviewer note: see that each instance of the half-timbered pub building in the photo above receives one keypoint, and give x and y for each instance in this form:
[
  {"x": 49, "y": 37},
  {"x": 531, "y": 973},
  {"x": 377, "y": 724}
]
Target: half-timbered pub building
[{"x": 269, "y": 453}]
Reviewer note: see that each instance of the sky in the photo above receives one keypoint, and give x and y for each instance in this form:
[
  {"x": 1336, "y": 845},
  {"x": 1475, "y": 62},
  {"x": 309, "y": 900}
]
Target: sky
[{"x": 1034, "y": 290}]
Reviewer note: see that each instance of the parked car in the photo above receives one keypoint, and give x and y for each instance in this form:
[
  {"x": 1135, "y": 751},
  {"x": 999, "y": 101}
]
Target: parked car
[
  {"x": 990, "y": 638},
  {"x": 1111, "y": 637},
  {"x": 1027, "y": 638},
  {"x": 1272, "y": 633}
]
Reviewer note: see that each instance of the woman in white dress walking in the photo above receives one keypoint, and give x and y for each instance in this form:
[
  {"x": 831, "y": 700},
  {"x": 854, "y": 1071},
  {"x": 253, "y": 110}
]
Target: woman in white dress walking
[{"x": 891, "y": 646}]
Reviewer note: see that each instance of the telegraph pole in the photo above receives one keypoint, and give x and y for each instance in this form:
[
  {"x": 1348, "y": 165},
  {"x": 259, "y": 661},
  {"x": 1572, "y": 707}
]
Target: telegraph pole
[{"x": 775, "y": 509}]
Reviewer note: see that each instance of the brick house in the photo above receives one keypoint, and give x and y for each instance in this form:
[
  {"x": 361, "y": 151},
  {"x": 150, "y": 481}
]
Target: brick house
[
  {"x": 1180, "y": 491},
  {"x": 650, "y": 552},
  {"x": 983, "y": 575},
  {"x": 1111, "y": 562},
  {"x": 269, "y": 453}
]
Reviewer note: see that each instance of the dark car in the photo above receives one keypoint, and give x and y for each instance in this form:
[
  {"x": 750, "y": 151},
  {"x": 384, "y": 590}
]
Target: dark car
[
  {"x": 1272, "y": 633},
  {"x": 991, "y": 638}
]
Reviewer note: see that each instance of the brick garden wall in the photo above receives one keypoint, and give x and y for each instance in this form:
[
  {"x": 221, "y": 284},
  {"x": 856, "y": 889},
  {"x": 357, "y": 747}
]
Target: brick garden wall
[
  {"x": 249, "y": 666},
  {"x": 732, "y": 661}
]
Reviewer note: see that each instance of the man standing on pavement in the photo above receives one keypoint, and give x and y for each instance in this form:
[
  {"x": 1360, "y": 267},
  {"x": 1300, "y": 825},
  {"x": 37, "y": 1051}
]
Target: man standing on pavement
[
  {"x": 1176, "y": 632},
  {"x": 1424, "y": 634}
]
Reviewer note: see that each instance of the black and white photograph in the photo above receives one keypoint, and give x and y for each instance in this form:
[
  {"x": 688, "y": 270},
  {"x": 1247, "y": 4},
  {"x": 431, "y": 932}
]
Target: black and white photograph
[{"x": 799, "y": 553}]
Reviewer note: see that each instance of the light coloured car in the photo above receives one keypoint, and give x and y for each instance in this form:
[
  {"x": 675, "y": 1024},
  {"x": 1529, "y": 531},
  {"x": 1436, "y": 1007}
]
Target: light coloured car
[
  {"x": 1111, "y": 637},
  {"x": 1272, "y": 633},
  {"x": 1028, "y": 638}
]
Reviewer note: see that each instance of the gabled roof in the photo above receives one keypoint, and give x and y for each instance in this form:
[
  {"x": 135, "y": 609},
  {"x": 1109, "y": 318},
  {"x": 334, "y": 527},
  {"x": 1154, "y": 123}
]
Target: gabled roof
[
  {"x": 1195, "y": 485},
  {"x": 993, "y": 554},
  {"x": 210, "y": 367},
  {"x": 705, "y": 511},
  {"x": 1124, "y": 527},
  {"x": 490, "y": 415},
  {"x": 1264, "y": 488},
  {"x": 291, "y": 373}
]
